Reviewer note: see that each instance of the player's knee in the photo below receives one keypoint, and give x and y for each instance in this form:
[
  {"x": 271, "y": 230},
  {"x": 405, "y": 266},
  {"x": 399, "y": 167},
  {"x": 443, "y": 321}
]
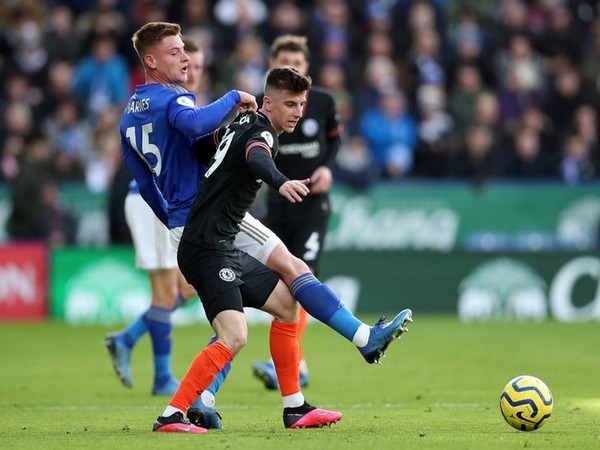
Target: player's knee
[
  {"x": 235, "y": 341},
  {"x": 287, "y": 266},
  {"x": 300, "y": 267},
  {"x": 287, "y": 310}
]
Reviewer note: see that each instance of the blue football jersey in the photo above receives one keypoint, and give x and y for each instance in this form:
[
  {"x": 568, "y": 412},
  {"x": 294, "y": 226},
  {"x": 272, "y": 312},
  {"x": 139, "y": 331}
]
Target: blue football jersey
[{"x": 159, "y": 125}]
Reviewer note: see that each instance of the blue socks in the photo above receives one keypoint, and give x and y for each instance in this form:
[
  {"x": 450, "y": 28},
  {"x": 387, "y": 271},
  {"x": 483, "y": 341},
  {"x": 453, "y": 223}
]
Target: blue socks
[
  {"x": 135, "y": 331},
  {"x": 320, "y": 302},
  {"x": 159, "y": 326},
  {"x": 156, "y": 321},
  {"x": 220, "y": 378}
]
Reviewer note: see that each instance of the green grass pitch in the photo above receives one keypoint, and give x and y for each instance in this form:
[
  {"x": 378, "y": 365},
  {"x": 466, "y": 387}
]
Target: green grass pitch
[{"x": 438, "y": 387}]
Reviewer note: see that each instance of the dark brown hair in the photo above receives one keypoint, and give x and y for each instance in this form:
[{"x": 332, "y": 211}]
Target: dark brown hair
[{"x": 287, "y": 79}]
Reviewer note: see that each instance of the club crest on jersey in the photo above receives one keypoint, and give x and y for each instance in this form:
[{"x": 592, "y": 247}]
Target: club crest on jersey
[
  {"x": 226, "y": 274},
  {"x": 185, "y": 101},
  {"x": 310, "y": 127},
  {"x": 267, "y": 136}
]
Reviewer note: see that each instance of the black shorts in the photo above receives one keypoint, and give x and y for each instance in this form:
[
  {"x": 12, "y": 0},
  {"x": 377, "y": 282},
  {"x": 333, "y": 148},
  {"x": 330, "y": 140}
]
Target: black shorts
[
  {"x": 302, "y": 228},
  {"x": 225, "y": 280}
]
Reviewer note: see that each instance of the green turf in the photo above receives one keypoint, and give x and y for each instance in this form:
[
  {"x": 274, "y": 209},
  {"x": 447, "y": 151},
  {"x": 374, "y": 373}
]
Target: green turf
[{"x": 437, "y": 388}]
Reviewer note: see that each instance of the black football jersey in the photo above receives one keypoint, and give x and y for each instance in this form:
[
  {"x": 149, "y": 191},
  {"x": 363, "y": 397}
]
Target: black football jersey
[{"x": 228, "y": 189}]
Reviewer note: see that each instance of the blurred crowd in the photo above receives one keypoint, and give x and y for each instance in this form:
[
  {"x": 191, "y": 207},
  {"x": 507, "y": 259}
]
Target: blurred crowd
[{"x": 463, "y": 89}]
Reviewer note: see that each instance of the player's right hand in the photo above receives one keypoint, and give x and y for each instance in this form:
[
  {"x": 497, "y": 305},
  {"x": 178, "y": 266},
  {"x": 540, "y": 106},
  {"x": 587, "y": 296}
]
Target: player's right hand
[
  {"x": 247, "y": 102},
  {"x": 295, "y": 190}
]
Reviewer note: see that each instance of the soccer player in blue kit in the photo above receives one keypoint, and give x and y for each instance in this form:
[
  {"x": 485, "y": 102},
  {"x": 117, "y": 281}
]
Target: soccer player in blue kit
[
  {"x": 159, "y": 127},
  {"x": 155, "y": 254}
]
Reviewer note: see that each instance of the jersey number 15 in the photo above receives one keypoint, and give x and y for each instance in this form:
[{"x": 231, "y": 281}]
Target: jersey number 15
[{"x": 147, "y": 147}]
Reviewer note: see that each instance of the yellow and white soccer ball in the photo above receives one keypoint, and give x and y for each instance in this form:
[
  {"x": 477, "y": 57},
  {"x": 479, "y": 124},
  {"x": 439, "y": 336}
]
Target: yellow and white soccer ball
[{"x": 526, "y": 403}]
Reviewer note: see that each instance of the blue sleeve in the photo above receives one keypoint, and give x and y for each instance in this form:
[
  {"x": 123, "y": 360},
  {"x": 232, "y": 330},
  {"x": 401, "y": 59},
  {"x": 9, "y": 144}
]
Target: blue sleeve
[
  {"x": 194, "y": 121},
  {"x": 147, "y": 186}
]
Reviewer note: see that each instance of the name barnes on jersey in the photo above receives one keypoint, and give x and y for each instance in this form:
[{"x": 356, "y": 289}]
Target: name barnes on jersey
[{"x": 139, "y": 105}]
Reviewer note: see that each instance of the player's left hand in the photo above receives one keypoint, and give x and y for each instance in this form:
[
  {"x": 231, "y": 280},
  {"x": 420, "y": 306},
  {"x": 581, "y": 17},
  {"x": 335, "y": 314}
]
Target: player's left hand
[
  {"x": 320, "y": 181},
  {"x": 295, "y": 190}
]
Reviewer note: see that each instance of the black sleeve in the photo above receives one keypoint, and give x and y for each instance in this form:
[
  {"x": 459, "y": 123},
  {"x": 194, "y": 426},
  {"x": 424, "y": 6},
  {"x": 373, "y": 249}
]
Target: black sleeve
[
  {"x": 263, "y": 167},
  {"x": 204, "y": 148}
]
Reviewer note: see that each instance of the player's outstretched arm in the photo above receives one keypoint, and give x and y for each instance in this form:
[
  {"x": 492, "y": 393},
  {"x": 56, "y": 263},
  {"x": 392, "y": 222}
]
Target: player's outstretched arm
[{"x": 263, "y": 167}]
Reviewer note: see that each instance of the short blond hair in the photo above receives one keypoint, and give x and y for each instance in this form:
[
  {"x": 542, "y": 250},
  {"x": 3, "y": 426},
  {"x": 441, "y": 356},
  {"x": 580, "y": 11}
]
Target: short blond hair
[{"x": 151, "y": 34}]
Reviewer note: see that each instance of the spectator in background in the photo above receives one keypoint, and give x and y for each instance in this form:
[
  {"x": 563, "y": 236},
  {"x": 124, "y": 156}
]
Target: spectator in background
[
  {"x": 17, "y": 120},
  {"x": 586, "y": 126},
  {"x": 354, "y": 164},
  {"x": 61, "y": 223},
  {"x": 534, "y": 118},
  {"x": 246, "y": 67},
  {"x": 12, "y": 149},
  {"x": 564, "y": 97},
  {"x": 18, "y": 89},
  {"x": 408, "y": 19},
  {"x": 521, "y": 77},
  {"x": 476, "y": 160},
  {"x": 511, "y": 18},
  {"x": 100, "y": 79},
  {"x": 467, "y": 44},
  {"x": 25, "y": 50},
  {"x": 70, "y": 141},
  {"x": 28, "y": 220},
  {"x": 105, "y": 161},
  {"x": 526, "y": 158},
  {"x": 390, "y": 131},
  {"x": 378, "y": 47},
  {"x": 286, "y": 17},
  {"x": 426, "y": 62},
  {"x": 103, "y": 18},
  {"x": 380, "y": 76},
  {"x": 333, "y": 78},
  {"x": 57, "y": 88},
  {"x": 240, "y": 19},
  {"x": 331, "y": 31},
  {"x": 60, "y": 38},
  {"x": 463, "y": 94},
  {"x": 589, "y": 67},
  {"x": 561, "y": 35},
  {"x": 195, "y": 17},
  {"x": 577, "y": 164},
  {"x": 435, "y": 132},
  {"x": 487, "y": 114}
]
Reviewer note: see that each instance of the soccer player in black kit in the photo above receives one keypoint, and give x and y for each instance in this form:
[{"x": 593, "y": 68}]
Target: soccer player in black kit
[
  {"x": 307, "y": 152},
  {"x": 227, "y": 279}
]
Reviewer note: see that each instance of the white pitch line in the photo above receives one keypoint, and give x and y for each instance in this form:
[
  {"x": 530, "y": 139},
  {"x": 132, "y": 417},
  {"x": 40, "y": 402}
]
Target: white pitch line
[{"x": 247, "y": 407}]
